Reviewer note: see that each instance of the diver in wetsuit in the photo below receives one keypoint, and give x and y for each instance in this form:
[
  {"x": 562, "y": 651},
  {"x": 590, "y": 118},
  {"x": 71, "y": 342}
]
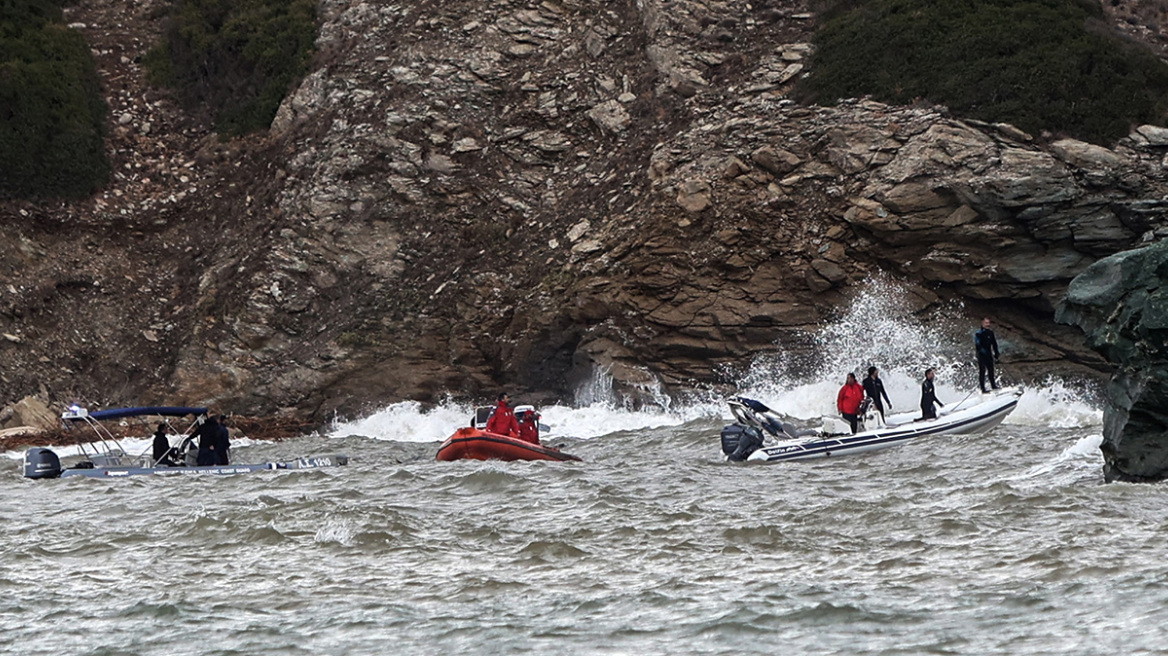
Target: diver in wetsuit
[
  {"x": 874, "y": 388},
  {"x": 987, "y": 354},
  {"x": 929, "y": 397}
]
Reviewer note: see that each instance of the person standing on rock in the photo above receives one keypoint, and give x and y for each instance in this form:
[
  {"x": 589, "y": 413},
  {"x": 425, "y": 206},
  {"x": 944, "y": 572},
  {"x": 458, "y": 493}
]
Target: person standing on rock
[
  {"x": 987, "y": 354},
  {"x": 502, "y": 421},
  {"x": 851, "y": 395},
  {"x": 874, "y": 388},
  {"x": 929, "y": 397}
]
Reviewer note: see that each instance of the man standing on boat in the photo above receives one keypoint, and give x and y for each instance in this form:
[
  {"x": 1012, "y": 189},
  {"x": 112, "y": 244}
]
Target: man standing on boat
[
  {"x": 502, "y": 421},
  {"x": 851, "y": 395},
  {"x": 987, "y": 354},
  {"x": 208, "y": 436},
  {"x": 161, "y": 447},
  {"x": 223, "y": 443},
  {"x": 874, "y": 387},
  {"x": 929, "y": 397}
]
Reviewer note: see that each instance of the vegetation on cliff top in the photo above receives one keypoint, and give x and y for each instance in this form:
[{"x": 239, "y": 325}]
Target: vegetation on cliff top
[
  {"x": 235, "y": 59},
  {"x": 52, "y": 113},
  {"x": 1038, "y": 64}
]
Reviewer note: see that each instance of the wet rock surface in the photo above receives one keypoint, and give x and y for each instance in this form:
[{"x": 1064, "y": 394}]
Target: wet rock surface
[
  {"x": 1121, "y": 303},
  {"x": 465, "y": 196}
]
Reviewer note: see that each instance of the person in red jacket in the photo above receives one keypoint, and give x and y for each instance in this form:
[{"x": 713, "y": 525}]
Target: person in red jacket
[
  {"x": 502, "y": 421},
  {"x": 528, "y": 423},
  {"x": 851, "y": 395}
]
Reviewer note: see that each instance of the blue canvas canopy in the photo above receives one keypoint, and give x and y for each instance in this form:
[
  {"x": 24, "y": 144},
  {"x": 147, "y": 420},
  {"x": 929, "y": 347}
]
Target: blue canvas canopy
[{"x": 119, "y": 413}]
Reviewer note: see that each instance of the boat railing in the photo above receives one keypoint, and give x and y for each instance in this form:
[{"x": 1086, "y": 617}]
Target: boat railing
[{"x": 107, "y": 451}]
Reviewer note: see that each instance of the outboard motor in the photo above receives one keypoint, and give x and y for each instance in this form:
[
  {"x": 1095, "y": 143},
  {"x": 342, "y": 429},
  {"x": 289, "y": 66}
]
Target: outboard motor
[
  {"x": 739, "y": 441},
  {"x": 41, "y": 463}
]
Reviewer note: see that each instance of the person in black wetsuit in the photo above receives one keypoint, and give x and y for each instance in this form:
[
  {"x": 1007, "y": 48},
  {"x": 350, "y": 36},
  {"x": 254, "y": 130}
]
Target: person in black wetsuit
[
  {"x": 929, "y": 397},
  {"x": 987, "y": 354},
  {"x": 208, "y": 436},
  {"x": 874, "y": 388}
]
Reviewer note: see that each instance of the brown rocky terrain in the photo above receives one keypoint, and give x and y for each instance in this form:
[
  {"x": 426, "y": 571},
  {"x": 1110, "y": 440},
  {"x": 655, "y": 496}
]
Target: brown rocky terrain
[{"x": 465, "y": 195}]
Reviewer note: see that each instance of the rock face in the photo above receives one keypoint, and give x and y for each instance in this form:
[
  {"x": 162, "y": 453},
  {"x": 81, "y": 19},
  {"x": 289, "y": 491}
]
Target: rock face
[
  {"x": 469, "y": 195},
  {"x": 1121, "y": 303},
  {"x": 30, "y": 412}
]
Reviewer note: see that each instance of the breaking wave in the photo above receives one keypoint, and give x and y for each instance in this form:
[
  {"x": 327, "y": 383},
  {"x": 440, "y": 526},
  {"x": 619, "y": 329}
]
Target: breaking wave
[{"x": 878, "y": 329}]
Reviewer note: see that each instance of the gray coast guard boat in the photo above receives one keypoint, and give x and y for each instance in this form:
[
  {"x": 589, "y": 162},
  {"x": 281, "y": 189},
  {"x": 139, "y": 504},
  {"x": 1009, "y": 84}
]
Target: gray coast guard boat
[{"x": 106, "y": 458}]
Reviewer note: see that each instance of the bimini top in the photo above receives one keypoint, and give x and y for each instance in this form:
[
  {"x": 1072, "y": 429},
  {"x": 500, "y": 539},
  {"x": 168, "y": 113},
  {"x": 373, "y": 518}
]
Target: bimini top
[{"x": 77, "y": 413}]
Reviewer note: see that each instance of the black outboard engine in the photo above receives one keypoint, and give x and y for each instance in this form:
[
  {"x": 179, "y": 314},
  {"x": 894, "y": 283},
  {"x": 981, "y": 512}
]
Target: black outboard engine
[
  {"x": 41, "y": 463},
  {"x": 739, "y": 441}
]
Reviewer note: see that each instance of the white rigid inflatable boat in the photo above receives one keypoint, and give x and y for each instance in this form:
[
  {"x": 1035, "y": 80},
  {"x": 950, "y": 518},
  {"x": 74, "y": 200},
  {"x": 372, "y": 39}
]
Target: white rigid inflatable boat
[{"x": 759, "y": 435}]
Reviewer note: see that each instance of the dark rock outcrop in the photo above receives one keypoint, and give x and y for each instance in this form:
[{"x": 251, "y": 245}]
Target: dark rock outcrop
[{"x": 1121, "y": 303}]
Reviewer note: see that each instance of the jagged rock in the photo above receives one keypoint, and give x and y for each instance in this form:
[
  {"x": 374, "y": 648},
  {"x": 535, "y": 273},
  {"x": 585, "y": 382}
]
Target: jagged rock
[
  {"x": 1084, "y": 155},
  {"x": 777, "y": 161},
  {"x": 694, "y": 195},
  {"x": 1121, "y": 303},
  {"x": 29, "y": 412},
  {"x": 611, "y": 116},
  {"x": 1152, "y": 135}
]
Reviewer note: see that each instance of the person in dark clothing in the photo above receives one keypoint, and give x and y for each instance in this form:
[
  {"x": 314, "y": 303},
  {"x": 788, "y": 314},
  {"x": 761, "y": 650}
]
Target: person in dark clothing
[
  {"x": 162, "y": 450},
  {"x": 848, "y": 401},
  {"x": 987, "y": 354},
  {"x": 208, "y": 436},
  {"x": 222, "y": 443},
  {"x": 874, "y": 388},
  {"x": 929, "y": 397}
]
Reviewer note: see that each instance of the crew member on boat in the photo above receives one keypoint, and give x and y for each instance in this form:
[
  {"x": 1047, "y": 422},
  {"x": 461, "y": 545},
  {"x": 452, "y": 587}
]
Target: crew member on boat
[
  {"x": 502, "y": 421},
  {"x": 528, "y": 423},
  {"x": 874, "y": 387},
  {"x": 162, "y": 448},
  {"x": 223, "y": 443},
  {"x": 987, "y": 354},
  {"x": 929, "y": 396},
  {"x": 208, "y": 436},
  {"x": 851, "y": 395}
]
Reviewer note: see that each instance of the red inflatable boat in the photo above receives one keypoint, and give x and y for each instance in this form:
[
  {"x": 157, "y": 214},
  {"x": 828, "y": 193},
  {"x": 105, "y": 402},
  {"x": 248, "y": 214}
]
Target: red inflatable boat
[{"x": 476, "y": 444}]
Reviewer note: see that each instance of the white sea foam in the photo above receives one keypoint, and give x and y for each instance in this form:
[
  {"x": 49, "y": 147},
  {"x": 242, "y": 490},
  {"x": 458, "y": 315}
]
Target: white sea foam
[{"x": 410, "y": 422}]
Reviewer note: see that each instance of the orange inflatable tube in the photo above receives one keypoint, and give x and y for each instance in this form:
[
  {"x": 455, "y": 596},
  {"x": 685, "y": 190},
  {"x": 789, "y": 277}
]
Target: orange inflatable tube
[{"x": 475, "y": 444}]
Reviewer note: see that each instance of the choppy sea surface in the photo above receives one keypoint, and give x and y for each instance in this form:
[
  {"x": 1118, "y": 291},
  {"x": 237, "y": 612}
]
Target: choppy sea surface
[{"x": 1003, "y": 543}]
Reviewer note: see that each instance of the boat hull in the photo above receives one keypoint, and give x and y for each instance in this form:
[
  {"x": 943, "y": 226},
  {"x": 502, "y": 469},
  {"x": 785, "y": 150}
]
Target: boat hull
[
  {"x": 475, "y": 444},
  {"x": 972, "y": 420},
  {"x": 314, "y": 462}
]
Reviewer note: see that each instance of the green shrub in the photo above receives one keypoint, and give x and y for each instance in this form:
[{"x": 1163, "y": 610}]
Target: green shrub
[
  {"x": 235, "y": 59},
  {"x": 1038, "y": 64},
  {"x": 52, "y": 113}
]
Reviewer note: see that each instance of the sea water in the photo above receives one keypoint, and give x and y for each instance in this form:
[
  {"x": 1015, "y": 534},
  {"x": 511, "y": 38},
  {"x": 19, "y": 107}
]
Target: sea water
[{"x": 1002, "y": 543}]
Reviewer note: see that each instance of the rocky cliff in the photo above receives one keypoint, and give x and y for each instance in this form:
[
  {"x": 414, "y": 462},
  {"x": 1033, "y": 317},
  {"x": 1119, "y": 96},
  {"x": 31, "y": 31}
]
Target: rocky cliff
[
  {"x": 1121, "y": 303},
  {"x": 464, "y": 195}
]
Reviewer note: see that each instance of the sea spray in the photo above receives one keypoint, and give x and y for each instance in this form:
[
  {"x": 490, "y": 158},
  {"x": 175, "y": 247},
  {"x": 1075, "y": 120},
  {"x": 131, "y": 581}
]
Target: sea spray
[{"x": 876, "y": 329}]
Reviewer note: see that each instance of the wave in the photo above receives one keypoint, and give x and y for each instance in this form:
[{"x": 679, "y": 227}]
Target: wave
[{"x": 798, "y": 380}]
